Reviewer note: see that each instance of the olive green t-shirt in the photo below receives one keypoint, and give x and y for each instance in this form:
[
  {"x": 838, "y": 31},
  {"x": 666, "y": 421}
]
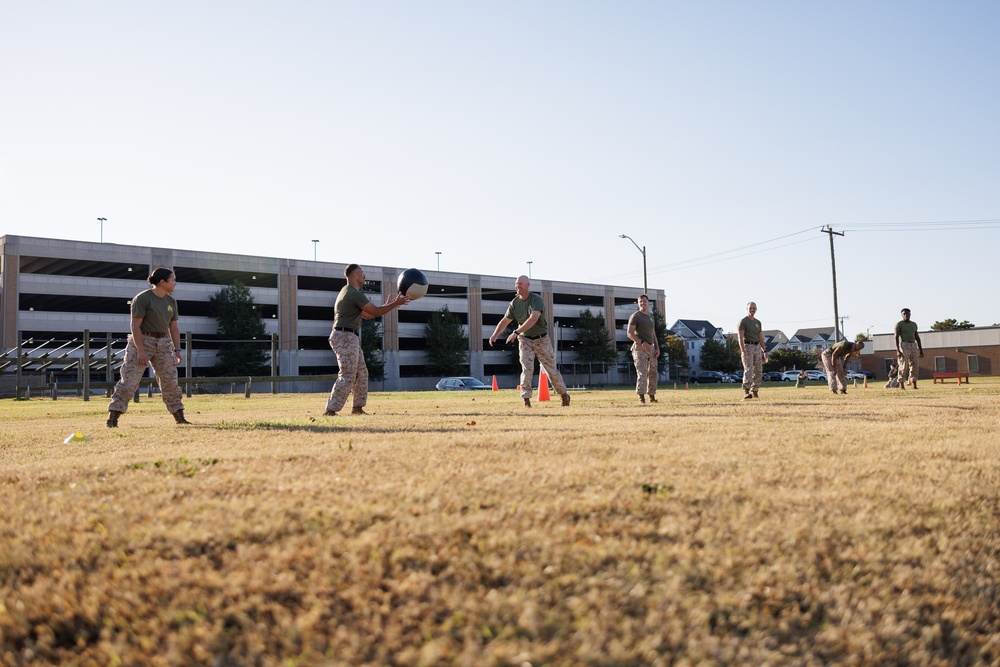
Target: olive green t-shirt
[
  {"x": 907, "y": 331},
  {"x": 520, "y": 310},
  {"x": 348, "y": 308},
  {"x": 751, "y": 330},
  {"x": 844, "y": 347},
  {"x": 156, "y": 312},
  {"x": 643, "y": 326}
]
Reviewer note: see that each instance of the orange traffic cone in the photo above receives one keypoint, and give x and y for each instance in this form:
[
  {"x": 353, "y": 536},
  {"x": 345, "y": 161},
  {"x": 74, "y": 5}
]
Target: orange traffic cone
[
  {"x": 495, "y": 387},
  {"x": 543, "y": 387},
  {"x": 959, "y": 380},
  {"x": 675, "y": 386},
  {"x": 866, "y": 382}
]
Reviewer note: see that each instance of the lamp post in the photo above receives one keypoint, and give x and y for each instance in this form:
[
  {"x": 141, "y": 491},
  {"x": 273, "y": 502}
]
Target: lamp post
[
  {"x": 315, "y": 241},
  {"x": 102, "y": 221},
  {"x": 645, "y": 284},
  {"x": 438, "y": 253},
  {"x": 529, "y": 269}
]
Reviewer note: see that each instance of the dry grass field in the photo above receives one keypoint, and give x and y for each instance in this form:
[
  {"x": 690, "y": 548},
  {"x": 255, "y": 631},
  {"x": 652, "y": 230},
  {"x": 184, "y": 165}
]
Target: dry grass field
[{"x": 463, "y": 529}]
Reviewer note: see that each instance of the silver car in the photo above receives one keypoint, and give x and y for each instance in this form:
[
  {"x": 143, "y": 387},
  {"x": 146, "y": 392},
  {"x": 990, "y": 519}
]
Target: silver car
[{"x": 462, "y": 384}]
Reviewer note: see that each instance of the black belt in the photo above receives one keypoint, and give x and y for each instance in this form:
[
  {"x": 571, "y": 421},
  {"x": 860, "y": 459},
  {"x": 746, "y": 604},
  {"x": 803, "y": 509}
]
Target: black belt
[
  {"x": 752, "y": 344},
  {"x": 536, "y": 337},
  {"x": 346, "y": 329},
  {"x": 154, "y": 334}
]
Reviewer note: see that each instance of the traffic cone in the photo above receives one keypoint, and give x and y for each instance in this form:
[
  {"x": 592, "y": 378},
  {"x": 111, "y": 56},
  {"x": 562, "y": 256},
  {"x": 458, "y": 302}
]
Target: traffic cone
[
  {"x": 675, "y": 386},
  {"x": 543, "y": 387},
  {"x": 866, "y": 382},
  {"x": 495, "y": 387},
  {"x": 686, "y": 386},
  {"x": 959, "y": 380}
]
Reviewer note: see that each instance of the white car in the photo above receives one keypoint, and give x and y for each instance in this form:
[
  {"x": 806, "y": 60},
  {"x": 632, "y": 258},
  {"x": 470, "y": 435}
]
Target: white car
[
  {"x": 792, "y": 376},
  {"x": 854, "y": 375}
]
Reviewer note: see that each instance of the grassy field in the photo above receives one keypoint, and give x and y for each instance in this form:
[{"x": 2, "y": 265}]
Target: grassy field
[{"x": 802, "y": 528}]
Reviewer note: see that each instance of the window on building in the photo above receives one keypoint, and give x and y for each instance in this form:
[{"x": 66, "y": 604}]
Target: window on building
[
  {"x": 973, "y": 363},
  {"x": 940, "y": 365},
  {"x": 889, "y": 361}
]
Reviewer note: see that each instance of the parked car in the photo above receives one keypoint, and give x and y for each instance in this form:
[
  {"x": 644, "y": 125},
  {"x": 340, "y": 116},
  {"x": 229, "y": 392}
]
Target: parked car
[
  {"x": 462, "y": 384},
  {"x": 734, "y": 377},
  {"x": 856, "y": 375},
  {"x": 792, "y": 376},
  {"x": 772, "y": 376},
  {"x": 708, "y": 377}
]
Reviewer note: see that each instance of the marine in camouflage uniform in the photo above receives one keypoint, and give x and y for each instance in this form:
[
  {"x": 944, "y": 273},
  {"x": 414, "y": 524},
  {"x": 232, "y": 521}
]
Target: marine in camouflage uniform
[
  {"x": 532, "y": 336},
  {"x": 752, "y": 352},
  {"x": 645, "y": 351},
  {"x": 909, "y": 349},
  {"x": 834, "y": 363},
  {"x": 154, "y": 340},
  {"x": 345, "y": 339}
]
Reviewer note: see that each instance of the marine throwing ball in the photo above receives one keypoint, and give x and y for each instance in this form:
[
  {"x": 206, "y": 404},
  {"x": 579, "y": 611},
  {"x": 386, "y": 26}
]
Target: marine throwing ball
[{"x": 412, "y": 283}]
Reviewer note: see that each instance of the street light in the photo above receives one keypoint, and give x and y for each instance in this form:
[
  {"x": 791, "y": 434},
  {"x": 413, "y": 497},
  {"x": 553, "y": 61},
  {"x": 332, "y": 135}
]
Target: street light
[
  {"x": 102, "y": 221},
  {"x": 315, "y": 241},
  {"x": 438, "y": 253},
  {"x": 529, "y": 270},
  {"x": 645, "y": 284}
]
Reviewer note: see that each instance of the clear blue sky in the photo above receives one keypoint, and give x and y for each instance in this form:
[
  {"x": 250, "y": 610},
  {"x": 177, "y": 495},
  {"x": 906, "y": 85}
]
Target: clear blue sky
[{"x": 720, "y": 135}]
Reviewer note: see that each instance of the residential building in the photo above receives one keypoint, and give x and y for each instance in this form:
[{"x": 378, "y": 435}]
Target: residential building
[
  {"x": 695, "y": 333},
  {"x": 808, "y": 340}
]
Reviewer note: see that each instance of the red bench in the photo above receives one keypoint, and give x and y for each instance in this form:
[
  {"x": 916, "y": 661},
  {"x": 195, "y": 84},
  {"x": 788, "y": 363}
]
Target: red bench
[{"x": 954, "y": 374}]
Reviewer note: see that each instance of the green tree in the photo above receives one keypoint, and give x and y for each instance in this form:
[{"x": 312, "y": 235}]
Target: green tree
[
  {"x": 371, "y": 347},
  {"x": 861, "y": 338},
  {"x": 715, "y": 356},
  {"x": 447, "y": 344},
  {"x": 952, "y": 324},
  {"x": 242, "y": 348},
  {"x": 674, "y": 353},
  {"x": 788, "y": 359},
  {"x": 593, "y": 344},
  {"x": 662, "y": 336}
]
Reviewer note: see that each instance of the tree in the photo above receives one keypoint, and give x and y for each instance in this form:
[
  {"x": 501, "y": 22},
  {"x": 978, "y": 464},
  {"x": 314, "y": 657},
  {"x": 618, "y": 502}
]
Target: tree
[
  {"x": 952, "y": 324},
  {"x": 674, "y": 353},
  {"x": 371, "y": 347},
  {"x": 787, "y": 359},
  {"x": 593, "y": 344},
  {"x": 662, "y": 337},
  {"x": 715, "y": 356},
  {"x": 240, "y": 328},
  {"x": 447, "y": 344},
  {"x": 861, "y": 338}
]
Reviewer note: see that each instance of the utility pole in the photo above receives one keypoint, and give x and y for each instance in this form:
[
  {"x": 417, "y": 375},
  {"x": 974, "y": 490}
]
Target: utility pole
[
  {"x": 842, "y": 318},
  {"x": 833, "y": 264}
]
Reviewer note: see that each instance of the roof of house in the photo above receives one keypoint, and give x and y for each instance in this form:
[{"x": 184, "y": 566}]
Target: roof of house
[
  {"x": 808, "y": 335},
  {"x": 700, "y": 328},
  {"x": 776, "y": 335}
]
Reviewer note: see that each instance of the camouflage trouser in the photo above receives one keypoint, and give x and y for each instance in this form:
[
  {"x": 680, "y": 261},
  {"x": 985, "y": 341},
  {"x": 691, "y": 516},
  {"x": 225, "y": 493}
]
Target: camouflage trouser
[
  {"x": 353, "y": 375},
  {"x": 836, "y": 372},
  {"x": 893, "y": 383},
  {"x": 909, "y": 362},
  {"x": 645, "y": 371},
  {"x": 528, "y": 349},
  {"x": 161, "y": 357},
  {"x": 753, "y": 367}
]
